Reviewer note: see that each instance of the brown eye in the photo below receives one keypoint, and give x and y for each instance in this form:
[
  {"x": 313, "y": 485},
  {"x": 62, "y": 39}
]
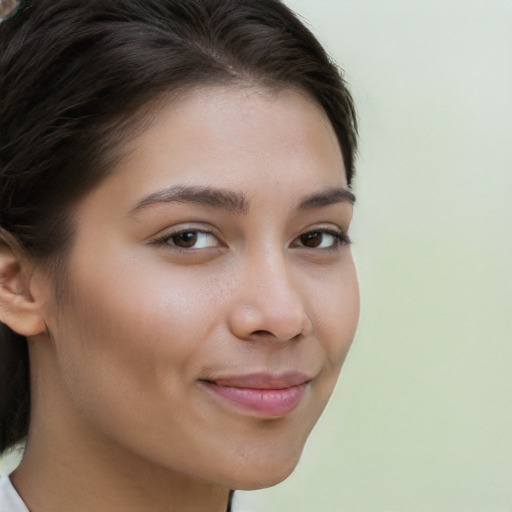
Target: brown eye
[
  {"x": 312, "y": 239},
  {"x": 189, "y": 239},
  {"x": 322, "y": 239},
  {"x": 186, "y": 239}
]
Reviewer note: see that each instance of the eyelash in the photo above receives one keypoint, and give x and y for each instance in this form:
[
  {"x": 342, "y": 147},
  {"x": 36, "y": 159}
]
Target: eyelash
[
  {"x": 165, "y": 239},
  {"x": 341, "y": 238}
]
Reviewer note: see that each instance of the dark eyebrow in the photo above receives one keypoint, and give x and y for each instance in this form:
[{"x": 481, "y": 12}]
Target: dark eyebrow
[
  {"x": 233, "y": 202},
  {"x": 327, "y": 197}
]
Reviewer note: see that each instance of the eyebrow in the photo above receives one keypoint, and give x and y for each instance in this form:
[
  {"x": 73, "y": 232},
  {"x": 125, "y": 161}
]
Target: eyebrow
[
  {"x": 233, "y": 202},
  {"x": 327, "y": 197}
]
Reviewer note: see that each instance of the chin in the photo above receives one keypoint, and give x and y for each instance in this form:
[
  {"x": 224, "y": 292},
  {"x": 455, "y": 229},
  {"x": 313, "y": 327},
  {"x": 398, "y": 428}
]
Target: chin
[
  {"x": 263, "y": 482},
  {"x": 262, "y": 473}
]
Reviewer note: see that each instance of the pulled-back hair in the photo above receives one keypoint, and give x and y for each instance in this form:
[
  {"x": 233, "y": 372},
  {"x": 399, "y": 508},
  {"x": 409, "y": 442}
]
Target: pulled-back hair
[{"x": 75, "y": 81}]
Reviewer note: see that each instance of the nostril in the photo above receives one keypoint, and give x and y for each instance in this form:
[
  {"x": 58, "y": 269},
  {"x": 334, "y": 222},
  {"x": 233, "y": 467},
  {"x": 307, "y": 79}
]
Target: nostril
[
  {"x": 262, "y": 333},
  {"x": 268, "y": 334}
]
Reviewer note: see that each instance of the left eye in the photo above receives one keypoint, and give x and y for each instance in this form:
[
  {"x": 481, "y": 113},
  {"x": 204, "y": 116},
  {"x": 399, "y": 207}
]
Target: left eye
[
  {"x": 192, "y": 239},
  {"x": 322, "y": 239}
]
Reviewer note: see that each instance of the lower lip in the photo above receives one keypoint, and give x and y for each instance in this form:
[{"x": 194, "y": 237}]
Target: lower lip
[{"x": 272, "y": 403}]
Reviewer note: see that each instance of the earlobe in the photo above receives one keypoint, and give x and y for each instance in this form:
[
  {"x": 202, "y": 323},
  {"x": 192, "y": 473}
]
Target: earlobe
[{"x": 19, "y": 309}]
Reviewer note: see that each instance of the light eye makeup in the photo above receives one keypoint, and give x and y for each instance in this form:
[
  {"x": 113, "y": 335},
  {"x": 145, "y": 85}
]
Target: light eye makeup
[
  {"x": 193, "y": 239},
  {"x": 188, "y": 238},
  {"x": 322, "y": 238}
]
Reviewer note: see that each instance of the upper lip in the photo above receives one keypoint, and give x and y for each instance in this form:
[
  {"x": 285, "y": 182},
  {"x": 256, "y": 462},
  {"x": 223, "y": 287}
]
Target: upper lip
[{"x": 261, "y": 380}]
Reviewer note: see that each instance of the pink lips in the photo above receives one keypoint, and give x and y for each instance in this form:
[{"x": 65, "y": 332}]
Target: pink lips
[{"x": 266, "y": 395}]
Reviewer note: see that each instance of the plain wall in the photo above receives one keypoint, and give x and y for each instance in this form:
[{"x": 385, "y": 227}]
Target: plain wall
[{"x": 422, "y": 416}]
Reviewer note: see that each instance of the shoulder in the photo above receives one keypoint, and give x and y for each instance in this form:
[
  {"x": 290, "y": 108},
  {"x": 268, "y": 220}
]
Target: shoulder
[{"x": 10, "y": 500}]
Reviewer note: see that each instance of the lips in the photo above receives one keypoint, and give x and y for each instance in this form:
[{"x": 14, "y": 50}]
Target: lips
[{"x": 265, "y": 395}]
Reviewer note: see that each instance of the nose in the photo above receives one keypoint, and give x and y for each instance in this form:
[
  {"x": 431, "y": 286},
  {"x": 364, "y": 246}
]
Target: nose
[{"x": 268, "y": 303}]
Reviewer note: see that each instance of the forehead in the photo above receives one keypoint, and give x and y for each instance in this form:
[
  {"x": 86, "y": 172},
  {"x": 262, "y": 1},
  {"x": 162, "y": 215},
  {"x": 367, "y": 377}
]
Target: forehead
[{"x": 242, "y": 138}]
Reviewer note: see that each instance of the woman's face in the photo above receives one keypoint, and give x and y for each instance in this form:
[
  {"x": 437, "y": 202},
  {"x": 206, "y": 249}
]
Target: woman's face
[{"x": 212, "y": 296}]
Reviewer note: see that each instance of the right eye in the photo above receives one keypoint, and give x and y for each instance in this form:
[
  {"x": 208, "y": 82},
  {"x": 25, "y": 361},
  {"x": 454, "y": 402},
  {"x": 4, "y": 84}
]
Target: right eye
[{"x": 193, "y": 239}]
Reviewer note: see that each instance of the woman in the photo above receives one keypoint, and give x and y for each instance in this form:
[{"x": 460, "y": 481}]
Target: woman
[{"x": 175, "y": 264}]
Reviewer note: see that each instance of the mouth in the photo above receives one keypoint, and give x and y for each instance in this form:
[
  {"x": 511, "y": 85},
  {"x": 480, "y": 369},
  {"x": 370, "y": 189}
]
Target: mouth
[{"x": 265, "y": 395}]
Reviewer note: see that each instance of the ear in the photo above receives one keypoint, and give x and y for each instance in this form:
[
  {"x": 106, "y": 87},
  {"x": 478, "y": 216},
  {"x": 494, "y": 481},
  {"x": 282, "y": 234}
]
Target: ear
[{"x": 19, "y": 308}]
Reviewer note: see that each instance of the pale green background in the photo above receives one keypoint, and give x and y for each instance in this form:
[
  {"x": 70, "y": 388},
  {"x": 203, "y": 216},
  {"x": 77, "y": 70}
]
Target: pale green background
[{"x": 422, "y": 418}]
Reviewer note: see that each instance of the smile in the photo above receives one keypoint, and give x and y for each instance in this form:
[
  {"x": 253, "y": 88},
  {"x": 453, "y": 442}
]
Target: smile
[{"x": 267, "y": 396}]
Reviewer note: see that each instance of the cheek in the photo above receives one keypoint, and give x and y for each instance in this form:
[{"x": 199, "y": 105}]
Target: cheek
[
  {"x": 336, "y": 314},
  {"x": 129, "y": 343},
  {"x": 123, "y": 328}
]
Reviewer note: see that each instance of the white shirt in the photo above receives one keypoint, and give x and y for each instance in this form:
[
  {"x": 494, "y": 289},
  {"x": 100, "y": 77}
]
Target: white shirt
[{"x": 10, "y": 500}]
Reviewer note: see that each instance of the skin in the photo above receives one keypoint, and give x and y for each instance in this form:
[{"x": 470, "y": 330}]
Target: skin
[{"x": 121, "y": 418}]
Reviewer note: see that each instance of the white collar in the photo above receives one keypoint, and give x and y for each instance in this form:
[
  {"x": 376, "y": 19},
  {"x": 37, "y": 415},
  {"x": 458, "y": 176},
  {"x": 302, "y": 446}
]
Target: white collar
[{"x": 10, "y": 500}]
